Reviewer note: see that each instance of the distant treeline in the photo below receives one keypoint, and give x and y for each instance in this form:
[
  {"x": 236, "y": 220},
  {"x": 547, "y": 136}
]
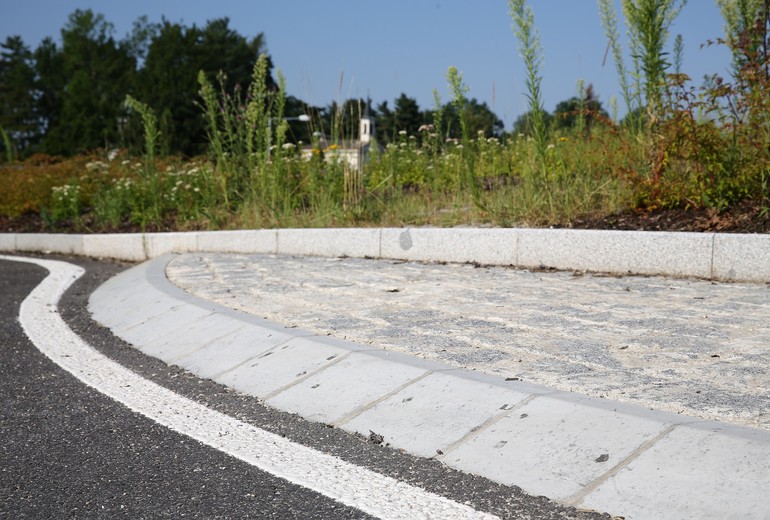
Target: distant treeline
[{"x": 66, "y": 98}]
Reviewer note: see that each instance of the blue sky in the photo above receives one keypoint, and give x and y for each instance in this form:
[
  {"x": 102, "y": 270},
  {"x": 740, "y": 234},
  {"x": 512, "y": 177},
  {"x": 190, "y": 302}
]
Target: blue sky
[{"x": 353, "y": 48}]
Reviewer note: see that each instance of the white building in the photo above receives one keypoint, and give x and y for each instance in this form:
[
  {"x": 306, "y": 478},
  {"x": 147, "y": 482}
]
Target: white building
[{"x": 354, "y": 152}]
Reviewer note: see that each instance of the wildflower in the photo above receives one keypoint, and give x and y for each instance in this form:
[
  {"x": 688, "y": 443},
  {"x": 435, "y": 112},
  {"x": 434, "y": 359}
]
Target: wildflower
[
  {"x": 551, "y": 146},
  {"x": 196, "y": 189},
  {"x": 288, "y": 146},
  {"x": 563, "y": 139},
  {"x": 95, "y": 165},
  {"x": 113, "y": 154},
  {"x": 402, "y": 132},
  {"x": 425, "y": 128}
]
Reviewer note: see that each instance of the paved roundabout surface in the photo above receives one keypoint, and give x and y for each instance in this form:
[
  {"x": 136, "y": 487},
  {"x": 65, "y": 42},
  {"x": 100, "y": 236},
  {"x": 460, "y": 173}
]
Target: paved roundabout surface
[{"x": 687, "y": 346}]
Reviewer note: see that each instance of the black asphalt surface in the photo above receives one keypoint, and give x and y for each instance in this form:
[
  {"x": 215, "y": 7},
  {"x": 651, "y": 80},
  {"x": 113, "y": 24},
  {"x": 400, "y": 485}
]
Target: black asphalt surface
[{"x": 67, "y": 451}]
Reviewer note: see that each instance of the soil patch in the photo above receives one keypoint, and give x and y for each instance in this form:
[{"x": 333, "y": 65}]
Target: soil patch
[{"x": 748, "y": 216}]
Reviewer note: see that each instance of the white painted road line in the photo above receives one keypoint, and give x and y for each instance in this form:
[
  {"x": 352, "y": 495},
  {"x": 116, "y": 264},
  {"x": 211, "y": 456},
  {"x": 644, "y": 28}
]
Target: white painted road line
[{"x": 357, "y": 487}]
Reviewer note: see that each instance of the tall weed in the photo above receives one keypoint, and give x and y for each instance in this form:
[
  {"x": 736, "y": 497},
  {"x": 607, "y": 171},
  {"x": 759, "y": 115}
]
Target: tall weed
[
  {"x": 648, "y": 28},
  {"x": 531, "y": 52}
]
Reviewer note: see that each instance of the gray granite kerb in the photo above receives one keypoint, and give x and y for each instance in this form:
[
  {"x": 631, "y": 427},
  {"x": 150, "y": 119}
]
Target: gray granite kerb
[
  {"x": 588, "y": 452},
  {"x": 718, "y": 256}
]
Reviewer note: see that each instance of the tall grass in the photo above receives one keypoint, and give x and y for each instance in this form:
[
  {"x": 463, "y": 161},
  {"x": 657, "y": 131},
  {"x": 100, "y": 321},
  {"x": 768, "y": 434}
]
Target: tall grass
[
  {"x": 741, "y": 18},
  {"x": 699, "y": 148},
  {"x": 610, "y": 24},
  {"x": 466, "y": 178},
  {"x": 150, "y": 203},
  {"x": 648, "y": 29},
  {"x": 531, "y": 52}
]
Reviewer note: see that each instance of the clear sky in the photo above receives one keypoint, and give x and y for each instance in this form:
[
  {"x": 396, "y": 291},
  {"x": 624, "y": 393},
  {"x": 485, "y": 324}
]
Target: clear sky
[{"x": 353, "y": 48}]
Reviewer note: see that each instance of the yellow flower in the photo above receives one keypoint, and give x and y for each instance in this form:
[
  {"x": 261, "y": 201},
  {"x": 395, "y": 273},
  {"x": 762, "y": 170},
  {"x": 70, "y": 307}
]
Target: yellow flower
[{"x": 562, "y": 139}]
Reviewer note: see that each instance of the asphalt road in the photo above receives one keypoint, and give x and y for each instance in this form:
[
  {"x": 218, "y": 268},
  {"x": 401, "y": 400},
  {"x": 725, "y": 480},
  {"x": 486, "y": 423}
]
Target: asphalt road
[{"x": 68, "y": 451}]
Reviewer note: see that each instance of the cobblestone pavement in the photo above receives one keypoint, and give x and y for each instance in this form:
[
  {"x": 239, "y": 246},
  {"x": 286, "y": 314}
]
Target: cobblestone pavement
[{"x": 694, "y": 347}]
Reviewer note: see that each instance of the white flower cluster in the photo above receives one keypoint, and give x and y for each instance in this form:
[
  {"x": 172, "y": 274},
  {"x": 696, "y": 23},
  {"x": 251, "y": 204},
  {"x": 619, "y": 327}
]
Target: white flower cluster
[
  {"x": 96, "y": 165},
  {"x": 66, "y": 192}
]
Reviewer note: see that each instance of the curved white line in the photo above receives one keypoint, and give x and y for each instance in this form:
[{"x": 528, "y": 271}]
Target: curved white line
[{"x": 357, "y": 487}]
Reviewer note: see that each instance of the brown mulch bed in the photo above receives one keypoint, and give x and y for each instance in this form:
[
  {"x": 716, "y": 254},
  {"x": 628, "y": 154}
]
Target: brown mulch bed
[{"x": 746, "y": 217}]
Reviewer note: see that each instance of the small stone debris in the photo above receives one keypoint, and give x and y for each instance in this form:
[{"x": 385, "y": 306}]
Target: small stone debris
[
  {"x": 604, "y": 457},
  {"x": 375, "y": 438}
]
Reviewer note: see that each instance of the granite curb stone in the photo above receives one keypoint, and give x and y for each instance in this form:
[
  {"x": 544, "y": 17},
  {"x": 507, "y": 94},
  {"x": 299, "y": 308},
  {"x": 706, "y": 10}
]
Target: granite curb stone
[
  {"x": 582, "y": 451},
  {"x": 728, "y": 257},
  {"x": 741, "y": 257}
]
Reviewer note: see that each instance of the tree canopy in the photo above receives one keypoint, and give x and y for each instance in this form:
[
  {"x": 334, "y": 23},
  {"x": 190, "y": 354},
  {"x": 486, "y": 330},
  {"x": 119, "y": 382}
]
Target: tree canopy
[
  {"x": 67, "y": 95},
  {"x": 568, "y": 113},
  {"x": 18, "y": 106}
]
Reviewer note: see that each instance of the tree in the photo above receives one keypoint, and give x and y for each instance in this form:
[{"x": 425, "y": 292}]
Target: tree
[
  {"x": 97, "y": 74},
  {"x": 138, "y": 42},
  {"x": 578, "y": 111},
  {"x": 168, "y": 80},
  {"x": 481, "y": 119},
  {"x": 18, "y": 105},
  {"x": 222, "y": 49},
  {"x": 50, "y": 83},
  {"x": 405, "y": 116},
  {"x": 385, "y": 123},
  {"x": 168, "y": 85},
  {"x": 478, "y": 116},
  {"x": 524, "y": 126}
]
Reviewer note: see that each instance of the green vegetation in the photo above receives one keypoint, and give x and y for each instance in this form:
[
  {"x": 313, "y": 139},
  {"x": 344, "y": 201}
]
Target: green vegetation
[
  {"x": 189, "y": 147},
  {"x": 529, "y": 47}
]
